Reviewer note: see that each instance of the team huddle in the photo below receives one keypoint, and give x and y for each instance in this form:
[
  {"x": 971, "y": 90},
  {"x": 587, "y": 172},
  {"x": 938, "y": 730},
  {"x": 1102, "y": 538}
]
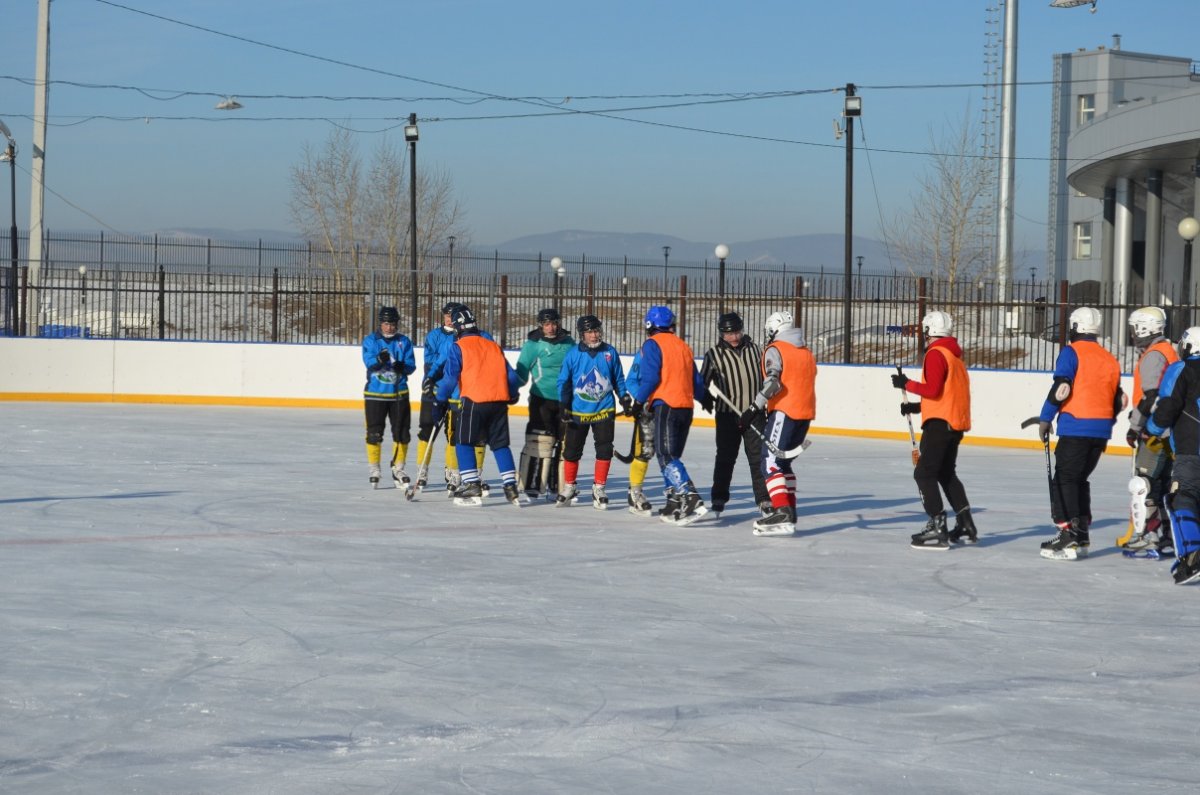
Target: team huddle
[{"x": 763, "y": 400}]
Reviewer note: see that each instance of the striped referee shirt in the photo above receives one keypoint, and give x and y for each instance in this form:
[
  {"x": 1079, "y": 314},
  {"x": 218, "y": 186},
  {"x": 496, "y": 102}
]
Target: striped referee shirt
[{"x": 740, "y": 370}]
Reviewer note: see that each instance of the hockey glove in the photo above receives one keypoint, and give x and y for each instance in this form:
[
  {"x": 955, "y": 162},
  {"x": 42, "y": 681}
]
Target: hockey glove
[
  {"x": 627, "y": 404},
  {"x": 439, "y": 411},
  {"x": 900, "y": 381},
  {"x": 384, "y": 358},
  {"x": 749, "y": 416},
  {"x": 1132, "y": 437},
  {"x": 706, "y": 402},
  {"x": 429, "y": 387},
  {"x": 909, "y": 408},
  {"x": 1044, "y": 430}
]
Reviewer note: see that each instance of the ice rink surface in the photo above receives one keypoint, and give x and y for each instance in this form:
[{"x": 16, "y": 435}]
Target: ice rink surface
[{"x": 212, "y": 600}]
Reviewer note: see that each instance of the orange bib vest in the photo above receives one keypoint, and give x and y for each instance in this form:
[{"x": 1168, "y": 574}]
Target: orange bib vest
[
  {"x": 484, "y": 376},
  {"x": 954, "y": 404},
  {"x": 1166, "y": 349},
  {"x": 1096, "y": 383},
  {"x": 798, "y": 397},
  {"x": 675, "y": 385}
]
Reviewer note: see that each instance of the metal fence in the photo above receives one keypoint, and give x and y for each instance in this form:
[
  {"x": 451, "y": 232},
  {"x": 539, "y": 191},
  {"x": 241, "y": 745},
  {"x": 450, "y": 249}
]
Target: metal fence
[{"x": 289, "y": 294}]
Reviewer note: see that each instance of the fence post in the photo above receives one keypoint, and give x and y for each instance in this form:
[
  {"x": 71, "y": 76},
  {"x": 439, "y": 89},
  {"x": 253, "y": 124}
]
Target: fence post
[
  {"x": 591, "y": 294},
  {"x": 922, "y": 288},
  {"x": 162, "y": 303},
  {"x": 683, "y": 306},
  {"x": 431, "y": 321},
  {"x": 504, "y": 310},
  {"x": 275, "y": 305},
  {"x": 1064, "y": 296},
  {"x": 797, "y": 300},
  {"x": 116, "y": 302}
]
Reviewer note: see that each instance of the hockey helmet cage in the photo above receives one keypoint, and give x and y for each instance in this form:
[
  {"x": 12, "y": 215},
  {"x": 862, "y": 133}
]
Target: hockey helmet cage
[
  {"x": 937, "y": 324},
  {"x": 548, "y": 315},
  {"x": 777, "y": 322},
  {"x": 462, "y": 318},
  {"x": 1147, "y": 323},
  {"x": 730, "y": 322},
  {"x": 659, "y": 318},
  {"x": 450, "y": 306},
  {"x": 1085, "y": 320},
  {"x": 1189, "y": 343},
  {"x": 588, "y": 323},
  {"x": 389, "y": 314}
]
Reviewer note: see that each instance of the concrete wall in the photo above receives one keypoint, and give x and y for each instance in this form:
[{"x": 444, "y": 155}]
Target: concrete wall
[{"x": 851, "y": 400}]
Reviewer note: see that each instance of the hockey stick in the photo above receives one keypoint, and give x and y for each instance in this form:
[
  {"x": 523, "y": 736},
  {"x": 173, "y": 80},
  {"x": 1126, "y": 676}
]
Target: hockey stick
[
  {"x": 423, "y": 466},
  {"x": 1125, "y": 539},
  {"x": 1049, "y": 473},
  {"x": 912, "y": 436},
  {"x": 775, "y": 449},
  {"x": 633, "y": 444}
]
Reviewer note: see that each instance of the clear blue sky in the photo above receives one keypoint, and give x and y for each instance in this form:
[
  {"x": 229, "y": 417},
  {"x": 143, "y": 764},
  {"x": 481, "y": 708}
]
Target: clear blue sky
[{"x": 518, "y": 176}]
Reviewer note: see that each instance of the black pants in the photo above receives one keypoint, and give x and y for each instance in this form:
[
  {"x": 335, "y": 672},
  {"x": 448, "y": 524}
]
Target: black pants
[
  {"x": 1075, "y": 459},
  {"x": 543, "y": 416},
  {"x": 603, "y": 432},
  {"x": 730, "y": 438},
  {"x": 937, "y": 468},
  {"x": 425, "y": 421},
  {"x": 394, "y": 412}
]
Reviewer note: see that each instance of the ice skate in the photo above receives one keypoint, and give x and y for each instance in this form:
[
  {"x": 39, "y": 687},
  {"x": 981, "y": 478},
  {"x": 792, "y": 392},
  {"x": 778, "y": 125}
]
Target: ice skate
[
  {"x": 599, "y": 497},
  {"x": 1187, "y": 569},
  {"x": 780, "y": 521},
  {"x": 934, "y": 536},
  {"x": 638, "y": 504},
  {"x": 374, "y": 475},
  {"x": 514, "y": 495},
  {"x": 765, "y": 509},
  {"x": 964, "y": 531},
  {"x": 485, "y": 488},
  {"x": 1070, "y": 543},
  {"x": 671, "y": 508},
  {"x": 691, "y": 508},
  {"x": 400, "y": 477},
  {"x": 566, "y": 496},
  {"x": 468, "y": 495}
]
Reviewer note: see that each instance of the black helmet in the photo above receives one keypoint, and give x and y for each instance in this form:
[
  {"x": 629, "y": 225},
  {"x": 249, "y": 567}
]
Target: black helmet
[
  {"x": 588, "y": 323},
  {"x": 548, "y": 315},
  {"x": 463, "y": 318},
  {"x": 450, "y": 306},
  {"x": 389, "y": 314},
  {"x": 730, "y": 321}
]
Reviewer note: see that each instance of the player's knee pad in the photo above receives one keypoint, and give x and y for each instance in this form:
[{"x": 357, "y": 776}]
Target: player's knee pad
[
  {"x": 374, "y": 436},
  {"x": 604, "y": 450}
]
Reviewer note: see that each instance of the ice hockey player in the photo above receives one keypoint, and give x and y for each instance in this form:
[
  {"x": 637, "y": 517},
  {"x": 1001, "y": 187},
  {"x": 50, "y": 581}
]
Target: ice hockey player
[
  {"x": 668, "y": 383},
  {"x": 538, "y": 365},
  {"x": 643, "y": 446},
  {"x": 789, "y": 396},
  {"x": 1178, "y": 396},
  {"x": 475, "y": 367},
  {"x": 1086, "y": 398},
  {"x": 1149, "y": 528},
  {"x": 451, "y": 416},
  {"x": 589, "y": 383},
  {"x": 437, "y": 340},
  {"x": 388, "y": 356},
  {"x": 734, "y": 365},
  {"x": 945, "y": 409}
]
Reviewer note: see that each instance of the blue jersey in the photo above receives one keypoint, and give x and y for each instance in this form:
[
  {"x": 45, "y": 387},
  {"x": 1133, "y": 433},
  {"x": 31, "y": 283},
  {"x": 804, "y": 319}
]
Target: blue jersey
[
  {"x": 588, "y": 381},
  {"x": 436, "y": 343},
  {"x": 387, "y": 381}
]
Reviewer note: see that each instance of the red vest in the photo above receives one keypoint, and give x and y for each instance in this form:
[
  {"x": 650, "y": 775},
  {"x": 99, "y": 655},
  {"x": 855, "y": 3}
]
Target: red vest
[
  {"x": 798, "y": 397},
  {"x": 676, "y": 386},
  {"x": 484, "y": 376},
  {"x": 954, "y": 403},
  {"x": 1096, "y": 383}
]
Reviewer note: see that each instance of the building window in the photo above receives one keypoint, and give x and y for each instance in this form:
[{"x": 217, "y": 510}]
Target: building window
[
  {"x": 1087, "y": 108},
  {"x": 1083, "y": 240}
]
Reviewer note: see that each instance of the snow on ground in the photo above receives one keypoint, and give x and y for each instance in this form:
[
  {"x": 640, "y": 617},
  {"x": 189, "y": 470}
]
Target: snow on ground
[{"x": 211, "y": 600}]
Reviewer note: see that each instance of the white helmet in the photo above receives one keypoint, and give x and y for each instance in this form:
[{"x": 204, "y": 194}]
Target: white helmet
[
  {"x": 777, "y": 322},
  {"x": 937, "y": 324},
  {"x": 1189, "y": 343},
  {"x": 1085, "y": 320},
  {"x": 1147, "y": 323}
]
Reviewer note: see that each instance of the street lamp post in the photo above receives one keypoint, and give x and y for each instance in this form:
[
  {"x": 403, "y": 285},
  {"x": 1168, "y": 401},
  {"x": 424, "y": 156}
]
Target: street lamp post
[
  {"x": 850, "y": 109},
  {"x": 411, "y": 134},
  {"x": 722, "y": 251},
  {"x": 666, "y": 256},
  {"x": 556, "y": 265},
  {"x": 451, "y": 240},
  {"x": 82, "y": 300},
  {"x": 10, "y": 154},
  {"x": 1188, "y": 229}
]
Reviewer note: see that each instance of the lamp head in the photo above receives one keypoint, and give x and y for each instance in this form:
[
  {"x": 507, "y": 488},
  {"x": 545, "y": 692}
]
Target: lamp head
[
  {"x": 1189, "y": 228},
  {"x": 722, "y": 251},
  {"x": 411, "y": 133}
]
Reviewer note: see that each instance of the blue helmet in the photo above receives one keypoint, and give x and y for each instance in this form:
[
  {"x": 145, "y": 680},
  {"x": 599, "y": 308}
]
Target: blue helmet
[{"x": 659, "y": 318}]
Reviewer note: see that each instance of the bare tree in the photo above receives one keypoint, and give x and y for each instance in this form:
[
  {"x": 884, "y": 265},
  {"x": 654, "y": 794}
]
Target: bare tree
[
  {"x": 362, "y": 222},
  {"x": 945, "y": 229}
]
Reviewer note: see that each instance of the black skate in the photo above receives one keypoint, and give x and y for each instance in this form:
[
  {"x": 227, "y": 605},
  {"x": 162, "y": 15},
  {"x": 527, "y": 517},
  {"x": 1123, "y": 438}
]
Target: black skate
[
  {"x": 964, "y": 531},
  {"x": 934, "y": 536},
  {"x": 1070, "y": 543},
  {"x": 780, "y": 521}
]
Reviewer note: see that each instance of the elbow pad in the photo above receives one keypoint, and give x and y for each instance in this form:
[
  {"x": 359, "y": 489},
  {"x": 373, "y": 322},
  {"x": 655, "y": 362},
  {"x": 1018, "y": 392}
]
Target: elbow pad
[
  {"x": 1060, "y": 390},
  {"x": 1146, "y": 405},
  {"x": 1120, "y": 402}
]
